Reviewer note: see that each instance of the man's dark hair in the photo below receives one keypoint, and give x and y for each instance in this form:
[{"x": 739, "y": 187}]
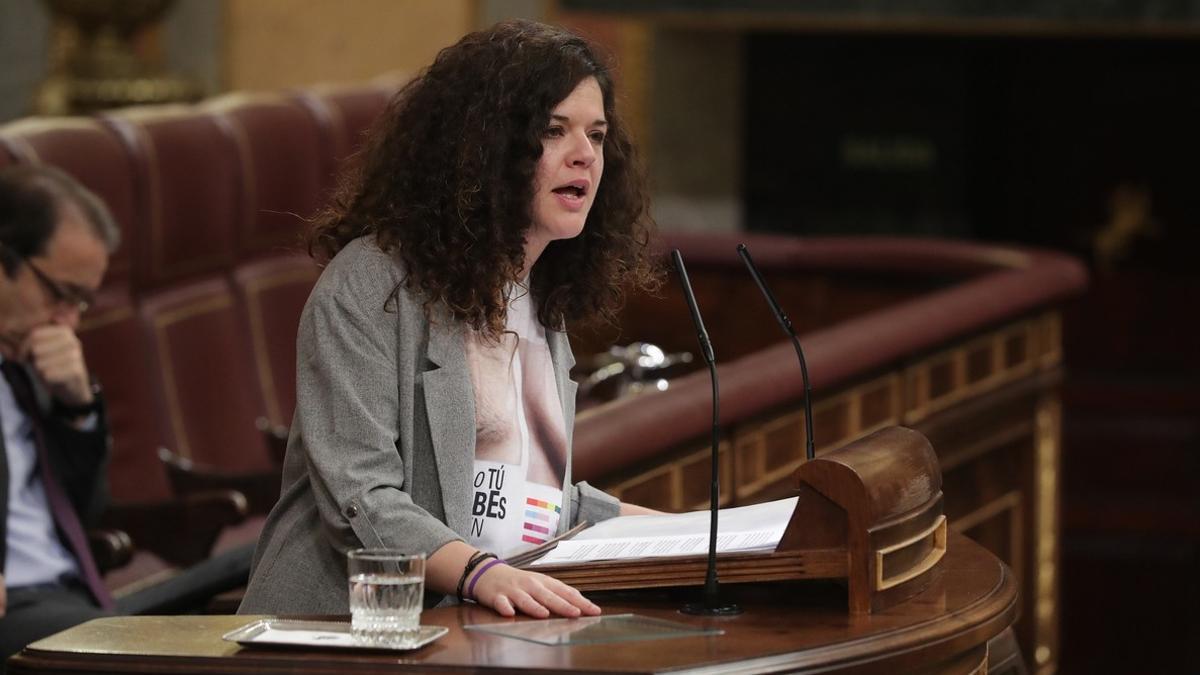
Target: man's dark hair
[{"x": 32, "y": 198}]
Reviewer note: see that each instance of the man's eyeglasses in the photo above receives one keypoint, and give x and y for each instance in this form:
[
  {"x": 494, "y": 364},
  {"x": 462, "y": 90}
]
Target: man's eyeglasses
[{"x": 61, "y": 294}]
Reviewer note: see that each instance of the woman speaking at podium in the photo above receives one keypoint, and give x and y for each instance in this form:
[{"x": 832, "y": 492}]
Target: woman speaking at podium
[{"x": 496, "y": 200}]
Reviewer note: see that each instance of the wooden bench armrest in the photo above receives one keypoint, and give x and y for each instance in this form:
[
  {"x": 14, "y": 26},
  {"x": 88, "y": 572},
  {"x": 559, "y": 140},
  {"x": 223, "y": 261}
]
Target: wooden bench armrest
[
  {"x": 276, "y": 436},
  {"x": 261, "y": 489},
  {"x": 181, "y": 531},
  {"x": 111, "y": 549}
]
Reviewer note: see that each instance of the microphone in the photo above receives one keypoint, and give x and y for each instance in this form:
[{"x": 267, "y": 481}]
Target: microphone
[
  {"x": 786, "y": 324},
  {"x": 711, "y": 604}
]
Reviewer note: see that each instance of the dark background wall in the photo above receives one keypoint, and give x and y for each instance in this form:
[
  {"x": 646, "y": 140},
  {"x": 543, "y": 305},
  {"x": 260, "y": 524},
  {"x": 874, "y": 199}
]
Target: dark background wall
[{"x": 1080, "y": 143}]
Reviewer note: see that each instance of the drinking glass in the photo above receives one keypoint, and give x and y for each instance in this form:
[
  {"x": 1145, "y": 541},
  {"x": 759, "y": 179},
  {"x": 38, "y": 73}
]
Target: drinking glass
[{"x": 387, "y": 589}]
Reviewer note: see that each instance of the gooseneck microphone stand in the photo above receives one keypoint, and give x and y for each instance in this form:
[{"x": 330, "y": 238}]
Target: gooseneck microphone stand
[
  {"x": 711, "y": 604},
  {"x": 786, "y": 324}
]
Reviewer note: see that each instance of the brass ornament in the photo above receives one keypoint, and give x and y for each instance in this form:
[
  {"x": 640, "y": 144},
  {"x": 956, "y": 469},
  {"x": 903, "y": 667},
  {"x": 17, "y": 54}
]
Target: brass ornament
[{"x": 104, "y": 54}]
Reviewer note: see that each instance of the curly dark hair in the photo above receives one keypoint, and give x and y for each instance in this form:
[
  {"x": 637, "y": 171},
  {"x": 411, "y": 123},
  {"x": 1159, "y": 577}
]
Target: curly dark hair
[{"x": 445, "y": 183}]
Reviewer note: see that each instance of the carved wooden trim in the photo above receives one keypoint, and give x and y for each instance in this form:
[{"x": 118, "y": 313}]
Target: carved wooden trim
[
  {"x": 982, "y": 364},
  {"x": 761, "y": 453},
  {"x": 937, "y": 549}
]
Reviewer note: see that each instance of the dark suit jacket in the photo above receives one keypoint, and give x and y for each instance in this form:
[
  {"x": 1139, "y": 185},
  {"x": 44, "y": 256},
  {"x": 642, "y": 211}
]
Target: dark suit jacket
[
  {"x": 79, "y": 459},
  {"x": 80, "y": 463}
]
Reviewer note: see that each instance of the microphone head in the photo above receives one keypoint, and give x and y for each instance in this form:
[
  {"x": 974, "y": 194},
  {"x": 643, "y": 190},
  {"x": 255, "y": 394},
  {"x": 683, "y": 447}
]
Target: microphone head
[
  {"x": 705, "y": 346},
  {"x": 677, "y": 261},
  {"x": 784, "y": 322}
]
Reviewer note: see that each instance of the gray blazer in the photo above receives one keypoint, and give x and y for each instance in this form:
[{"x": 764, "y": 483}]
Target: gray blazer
[{"x": 383, "y": 439}]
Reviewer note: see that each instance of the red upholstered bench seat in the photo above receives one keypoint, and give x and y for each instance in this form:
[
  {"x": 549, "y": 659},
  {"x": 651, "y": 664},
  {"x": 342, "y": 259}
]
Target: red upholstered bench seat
[{"x": 193, "y": 332}]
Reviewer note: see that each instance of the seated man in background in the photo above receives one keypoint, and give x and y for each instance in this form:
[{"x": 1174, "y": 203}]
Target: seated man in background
[{"x": 55, "y": 240}]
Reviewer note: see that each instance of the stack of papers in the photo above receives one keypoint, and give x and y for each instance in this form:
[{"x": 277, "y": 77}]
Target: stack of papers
[{"x": 746, "y": 528}]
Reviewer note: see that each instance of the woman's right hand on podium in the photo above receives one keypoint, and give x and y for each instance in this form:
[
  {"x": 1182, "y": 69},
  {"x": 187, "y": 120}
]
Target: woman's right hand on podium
[
  {"x": 505, "y": 589},
  {"x": 508, "y": 590}
]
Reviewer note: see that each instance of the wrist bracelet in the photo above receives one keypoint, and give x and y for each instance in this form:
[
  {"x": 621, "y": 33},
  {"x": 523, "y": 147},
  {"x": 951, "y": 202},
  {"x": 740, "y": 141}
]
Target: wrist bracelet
[
  {"x": 71, "y": 411},
  {"x": 485, "y": 568},
  {"x": 472, "y": 563}
]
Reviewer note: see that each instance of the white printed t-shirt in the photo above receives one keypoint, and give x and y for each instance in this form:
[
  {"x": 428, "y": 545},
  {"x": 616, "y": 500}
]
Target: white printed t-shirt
[{"x": 520, "y": 435}]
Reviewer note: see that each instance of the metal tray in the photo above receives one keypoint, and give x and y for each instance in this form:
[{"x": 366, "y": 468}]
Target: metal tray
[{"x": 322, "y": 634}]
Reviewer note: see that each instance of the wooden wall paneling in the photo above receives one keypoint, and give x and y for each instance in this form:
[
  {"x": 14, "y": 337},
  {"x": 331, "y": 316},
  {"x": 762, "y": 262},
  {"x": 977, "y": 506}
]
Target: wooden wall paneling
[{"x": 677, "y": 482}]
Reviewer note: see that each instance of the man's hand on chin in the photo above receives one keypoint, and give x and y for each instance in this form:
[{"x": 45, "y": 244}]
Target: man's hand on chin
[{"x": 56, "y": 355}]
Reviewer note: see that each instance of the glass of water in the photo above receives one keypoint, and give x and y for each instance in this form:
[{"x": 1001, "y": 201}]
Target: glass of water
[{"x": 387, "y": 588}]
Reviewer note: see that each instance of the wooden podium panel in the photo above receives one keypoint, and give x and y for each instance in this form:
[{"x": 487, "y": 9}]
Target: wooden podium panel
[
  {"x": 869, "y": 512},
  {"x": 786, "y": 627}
]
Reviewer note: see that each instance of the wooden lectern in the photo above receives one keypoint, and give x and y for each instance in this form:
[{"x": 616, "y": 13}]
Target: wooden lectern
[{"x": 869, "y": 512}]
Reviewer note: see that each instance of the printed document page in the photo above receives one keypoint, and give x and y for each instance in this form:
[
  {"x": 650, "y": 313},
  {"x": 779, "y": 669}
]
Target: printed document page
[{"x": 746, "y": 528}]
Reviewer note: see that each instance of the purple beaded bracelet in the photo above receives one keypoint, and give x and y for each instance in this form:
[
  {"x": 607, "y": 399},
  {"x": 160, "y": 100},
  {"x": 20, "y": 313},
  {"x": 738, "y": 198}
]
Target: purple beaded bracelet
[{"x": 485, "y": 568}]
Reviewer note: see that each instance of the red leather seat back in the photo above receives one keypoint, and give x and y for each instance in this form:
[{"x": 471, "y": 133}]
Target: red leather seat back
[
  {"x": 190, "y": 202},
  {"x": 119, "y": 357},
  {"x": 273, "y": 293},
  {"x": 346, "y": 113},
  {"x": 287, "y": 162},
  {"x": 205, "y": 374}
]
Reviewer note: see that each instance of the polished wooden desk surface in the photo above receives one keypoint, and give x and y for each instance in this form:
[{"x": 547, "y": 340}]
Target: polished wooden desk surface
[{"x": 793, "y": 627}]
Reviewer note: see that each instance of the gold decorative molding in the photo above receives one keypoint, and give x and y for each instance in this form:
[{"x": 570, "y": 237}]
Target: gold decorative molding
[
  {"x": 1009, "y": 504},
  {"x": 936, "y": 534},
  {"x": 1046, "y": 481},
  {"x": 97, "y": 320},
  {"x": 981, "y": 365}
]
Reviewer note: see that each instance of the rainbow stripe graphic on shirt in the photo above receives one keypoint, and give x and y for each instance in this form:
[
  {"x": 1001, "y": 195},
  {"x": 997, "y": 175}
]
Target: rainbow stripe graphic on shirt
[{"x": 537, "y": 520}]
